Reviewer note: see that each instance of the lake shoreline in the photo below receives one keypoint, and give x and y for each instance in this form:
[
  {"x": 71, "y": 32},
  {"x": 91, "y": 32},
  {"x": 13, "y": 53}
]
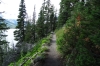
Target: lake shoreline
[{"x": 10, "y": 37}]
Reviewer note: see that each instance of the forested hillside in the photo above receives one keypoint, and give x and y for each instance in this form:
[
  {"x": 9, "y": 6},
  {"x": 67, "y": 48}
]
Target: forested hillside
[
  {"x": 77, "y": 35},
  {"x": 79, "y": 38},
  {"x": 31, "y": 31}
]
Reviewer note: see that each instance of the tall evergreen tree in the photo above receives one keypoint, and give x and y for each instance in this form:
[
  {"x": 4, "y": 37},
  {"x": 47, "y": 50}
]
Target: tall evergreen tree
[
  {"x": 40, "y": 30},
  {"x": 53, "y": 19},
  {"x": 34, "y": 26},
  {"x": 49, "y": 14},
  {"x": 30, "y": 29},
  {"x": 3, "y": 28},
  {"x": 20, "y": 32},
  {"x": 40, "y": 25},
  {"x": 82, "y": 34},
  {"x": 28, "y": 32},
  {"x": 45, "y": 23},
  {"x": 3, "y": 42},
  {"x": 55, "y": 22},
  {"x": 63, "y": 14},
  {"x": 66, "y": 7}
]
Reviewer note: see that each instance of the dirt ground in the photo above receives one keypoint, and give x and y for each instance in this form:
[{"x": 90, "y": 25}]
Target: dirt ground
[{"x": 53, "y": 58}]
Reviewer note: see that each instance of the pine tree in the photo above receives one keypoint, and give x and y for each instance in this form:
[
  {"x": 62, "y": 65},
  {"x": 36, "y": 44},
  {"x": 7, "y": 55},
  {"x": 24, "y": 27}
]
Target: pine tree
[
  {"x": 82, "y": 34},
  {"x": 54, "y": 26},
  {"x": 46, "y": 13},
  {"x": 46, "y": 20},
  {"x": 66, "y": 6},
  {"x": 28, "y": 32},
  {"x": 34, "y": 26},
  {"x": 3, "y": 28},
  {"x": 20, "y": 32},
  {"x": 49, "y": 14},
  {"x": 40, "y": 25},
  {"x": 53, "y": 19}
]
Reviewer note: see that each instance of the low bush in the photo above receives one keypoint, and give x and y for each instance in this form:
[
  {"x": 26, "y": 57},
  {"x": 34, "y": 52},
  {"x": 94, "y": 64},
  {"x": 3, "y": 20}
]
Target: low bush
[{"x": 36, "y": 51}]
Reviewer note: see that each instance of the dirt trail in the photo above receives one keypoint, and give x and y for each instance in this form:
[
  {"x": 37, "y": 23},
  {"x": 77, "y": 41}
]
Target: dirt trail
[{"x": 53, "y": 58}]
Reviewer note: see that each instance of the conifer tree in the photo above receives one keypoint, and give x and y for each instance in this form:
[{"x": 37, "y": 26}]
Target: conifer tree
[
  {"x": 28, "y": 32},
  {"x": 40, "y": 25},
  {"x": 34, "y": 26},
  {"x": 53, "y": 19},
  {"x": 3, "y": 28},
  {"x": 46, "y": 12},
  {"x": 20, "y": 32},
  {"x": 46, "y": 20},
  {"x": 49, "y": 13},
  {"x": 30, "y": 29},
  {"x": 81, "y": 34},
  {"x": 41, "y": 28},
  {"x": 54, "y": 26},
  {"x": 66, "y": 7}
]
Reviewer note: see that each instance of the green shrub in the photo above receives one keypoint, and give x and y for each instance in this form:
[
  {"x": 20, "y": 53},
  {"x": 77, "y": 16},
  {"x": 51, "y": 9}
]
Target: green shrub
[
  {"x": 37, "y": 50},
  {"x": 79, "y": 41}
]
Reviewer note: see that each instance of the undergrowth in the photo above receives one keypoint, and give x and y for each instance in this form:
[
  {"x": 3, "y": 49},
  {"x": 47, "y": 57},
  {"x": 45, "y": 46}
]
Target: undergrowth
[
  {"x": 79, "y": 42},
  {"x": 37, "y": 50}
]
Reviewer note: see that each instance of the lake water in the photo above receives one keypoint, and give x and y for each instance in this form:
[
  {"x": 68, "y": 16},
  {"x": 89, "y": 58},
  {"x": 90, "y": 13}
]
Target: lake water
[{"x": 10, "y": 37}]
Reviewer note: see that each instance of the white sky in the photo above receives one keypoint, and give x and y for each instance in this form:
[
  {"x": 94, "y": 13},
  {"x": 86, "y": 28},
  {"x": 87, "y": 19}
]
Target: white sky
[{"x": 11, "y": 7}]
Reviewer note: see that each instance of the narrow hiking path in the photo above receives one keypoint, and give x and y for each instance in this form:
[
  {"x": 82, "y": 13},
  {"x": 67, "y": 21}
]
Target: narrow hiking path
[{"x": 53, "y": 58}]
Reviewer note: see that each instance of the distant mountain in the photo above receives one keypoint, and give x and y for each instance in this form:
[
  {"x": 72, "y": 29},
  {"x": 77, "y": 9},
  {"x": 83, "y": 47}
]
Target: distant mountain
[
  {"x": 14, "y": 21},
  {"x": 11, "y": 23}
]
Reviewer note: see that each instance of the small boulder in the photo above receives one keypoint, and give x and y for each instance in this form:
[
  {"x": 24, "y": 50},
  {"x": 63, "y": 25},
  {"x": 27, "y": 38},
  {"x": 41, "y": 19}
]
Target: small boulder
[{"x": 39, "y": 59}]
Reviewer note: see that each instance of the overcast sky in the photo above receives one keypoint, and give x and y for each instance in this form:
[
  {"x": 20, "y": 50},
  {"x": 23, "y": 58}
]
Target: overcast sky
[{"x": 11, "y": 7}]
